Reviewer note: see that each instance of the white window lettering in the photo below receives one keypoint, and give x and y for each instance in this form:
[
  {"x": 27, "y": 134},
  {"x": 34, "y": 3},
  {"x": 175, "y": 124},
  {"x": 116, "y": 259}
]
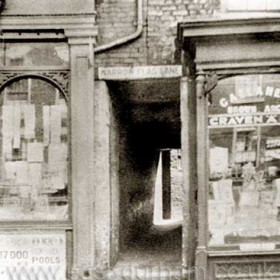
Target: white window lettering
[
  {"x": 249, "y": 120},
  {"x": 258, "y": 119},
  {"x": 224, "y": 103},
  {"x": 213, "y": 121},
  {"x": 232, "y": 121},
  {"x": 223, "y": 121},
  {"x": 269, "y": 91},
  {"x": 240, "y": 120},
  {"x": 277, "y": 93},
  {"x": 271, "y": 119}
]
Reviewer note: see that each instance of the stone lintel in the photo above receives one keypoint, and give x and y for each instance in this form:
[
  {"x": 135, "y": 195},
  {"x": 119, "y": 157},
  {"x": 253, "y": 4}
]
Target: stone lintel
[{"x": 77, "y": 28}]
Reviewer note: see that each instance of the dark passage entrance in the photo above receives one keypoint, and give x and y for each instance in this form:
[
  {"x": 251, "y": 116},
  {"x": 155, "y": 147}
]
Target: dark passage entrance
[{"x": 149, "y": 118}]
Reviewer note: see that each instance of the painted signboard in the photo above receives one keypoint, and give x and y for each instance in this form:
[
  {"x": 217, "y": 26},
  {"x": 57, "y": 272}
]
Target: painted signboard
[
  {"x": 30, "y": 256},
  {"x": 252, "y": 100},
  {"x": 140, "y": 72}
]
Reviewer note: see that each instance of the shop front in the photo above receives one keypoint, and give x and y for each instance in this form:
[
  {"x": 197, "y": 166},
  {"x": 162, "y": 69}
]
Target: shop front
[
  {"x": 46, "y": 149},
  {"x": 230, "y": 114}
]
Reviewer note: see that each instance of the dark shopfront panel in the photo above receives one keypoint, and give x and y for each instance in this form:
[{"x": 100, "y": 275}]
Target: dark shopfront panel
[{"x": 237, "y": 123}]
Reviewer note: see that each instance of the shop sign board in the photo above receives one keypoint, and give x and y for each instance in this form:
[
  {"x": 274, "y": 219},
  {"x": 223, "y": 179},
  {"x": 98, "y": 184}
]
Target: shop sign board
[
  {"x": 32, "y": 256},
  {"x": 140, "y": 72},
  {"x": 244, "y": 120},
  {"x": 252, "y": 100}
]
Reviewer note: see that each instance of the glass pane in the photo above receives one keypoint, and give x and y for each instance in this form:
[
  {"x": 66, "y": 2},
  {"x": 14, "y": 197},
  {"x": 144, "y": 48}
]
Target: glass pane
[
  {"x": 273, "y": 4},
  {"x": 237, "y": 5},
  {"x": 244, "y": 161},
  {"x": 27, "y": 54},
  {"x": 257, "y": 5},
  {"x": 34, "y": 152}
]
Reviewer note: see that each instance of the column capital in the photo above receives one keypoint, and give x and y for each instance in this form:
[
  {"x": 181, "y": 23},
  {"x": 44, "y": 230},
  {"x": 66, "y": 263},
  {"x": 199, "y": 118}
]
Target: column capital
[
  {"x": 207, "y": 80},
  {"x": 189, "y": 79},
  {"x": 83, "y": 32},
  {"x": 201, "y": 77},
  {"x": 81, "y": 36}
]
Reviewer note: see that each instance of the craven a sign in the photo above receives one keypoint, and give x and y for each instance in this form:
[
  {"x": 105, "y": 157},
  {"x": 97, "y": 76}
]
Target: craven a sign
[
  {"x": 32, "y": 256},
  {"x": 251, "y": 100},
  {"x": 243, "y": 120},
  {"x": 139, "y": 72}
]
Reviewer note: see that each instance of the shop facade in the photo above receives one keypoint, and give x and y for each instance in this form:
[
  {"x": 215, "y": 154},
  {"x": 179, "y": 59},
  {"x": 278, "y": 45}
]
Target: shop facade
[
  {"x": 231, "y": 137},
  {"x": 83, "y": 122},
  {"x": 46, "y": 154}
]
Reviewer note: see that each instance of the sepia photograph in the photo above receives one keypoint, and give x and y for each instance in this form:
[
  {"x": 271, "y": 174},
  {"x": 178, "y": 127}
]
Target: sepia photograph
[{"x": 139, "y": 139}]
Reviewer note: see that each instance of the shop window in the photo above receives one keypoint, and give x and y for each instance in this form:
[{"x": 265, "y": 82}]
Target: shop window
[
  {"x": 251, "y": 5},
  {"x": 33, "y": 152},
  {"x": 244, "y": 160}
]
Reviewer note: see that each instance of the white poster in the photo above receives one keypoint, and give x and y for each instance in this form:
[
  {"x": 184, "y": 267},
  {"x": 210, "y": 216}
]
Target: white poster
[
  {"x": 29, "y": 256},
  {"x": 218, "y": 160}
]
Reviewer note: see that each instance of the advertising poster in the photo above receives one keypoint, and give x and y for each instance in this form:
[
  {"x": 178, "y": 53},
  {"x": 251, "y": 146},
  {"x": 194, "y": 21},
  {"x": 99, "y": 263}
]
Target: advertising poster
[{"x": 32, "y": 256}]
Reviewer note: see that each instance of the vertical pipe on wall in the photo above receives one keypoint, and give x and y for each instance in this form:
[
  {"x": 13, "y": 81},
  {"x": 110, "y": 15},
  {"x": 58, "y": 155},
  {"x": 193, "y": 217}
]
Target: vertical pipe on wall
[{"x": 128, "y": 38}]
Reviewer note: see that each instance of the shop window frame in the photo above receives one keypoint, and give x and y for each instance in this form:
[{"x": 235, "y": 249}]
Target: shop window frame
[
  {"x": 220, "y": 250},
  {"x": 59, "y": 79}
]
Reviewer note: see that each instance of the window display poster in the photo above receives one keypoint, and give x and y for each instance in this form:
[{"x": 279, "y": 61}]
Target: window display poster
[
  {"x": 218, "y": 160},
  {"x": 31, "y": 256},
  {"x": 29, "y": 120}
]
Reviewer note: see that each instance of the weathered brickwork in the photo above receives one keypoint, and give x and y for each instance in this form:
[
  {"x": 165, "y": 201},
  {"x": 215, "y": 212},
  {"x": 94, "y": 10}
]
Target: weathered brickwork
[{"x": 118, "y": 18}]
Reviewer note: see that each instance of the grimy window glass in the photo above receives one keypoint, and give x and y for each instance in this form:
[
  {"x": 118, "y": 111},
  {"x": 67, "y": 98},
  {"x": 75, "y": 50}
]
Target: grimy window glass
[
  {"x": 33, "y": 152},
  {"x": 244, "y": 163}
]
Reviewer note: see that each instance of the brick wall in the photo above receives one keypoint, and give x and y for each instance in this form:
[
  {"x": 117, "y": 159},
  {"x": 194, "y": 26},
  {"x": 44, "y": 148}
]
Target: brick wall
[{"x": 117, "y": 18}]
